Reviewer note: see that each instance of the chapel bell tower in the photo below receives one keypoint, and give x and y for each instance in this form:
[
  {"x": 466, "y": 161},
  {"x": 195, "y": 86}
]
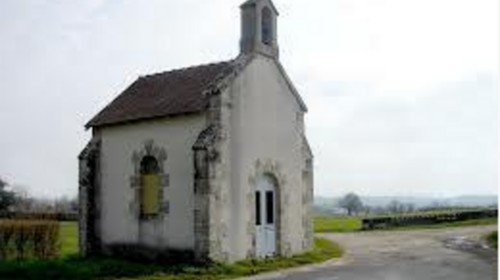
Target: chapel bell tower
[{"x": 259, "y": 28}]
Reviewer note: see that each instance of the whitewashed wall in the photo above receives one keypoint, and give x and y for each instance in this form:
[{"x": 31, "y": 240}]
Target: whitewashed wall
[
  {"x": 266, "y": 126},
  {"x": 176, "y": 135}
]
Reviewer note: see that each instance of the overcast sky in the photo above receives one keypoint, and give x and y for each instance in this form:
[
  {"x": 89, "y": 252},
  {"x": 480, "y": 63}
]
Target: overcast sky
[{"x": 402, "y": 94}]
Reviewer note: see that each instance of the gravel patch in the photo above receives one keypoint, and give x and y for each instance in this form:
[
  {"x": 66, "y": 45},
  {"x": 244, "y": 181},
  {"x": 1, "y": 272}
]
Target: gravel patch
[{"x": 453, "y": 253}]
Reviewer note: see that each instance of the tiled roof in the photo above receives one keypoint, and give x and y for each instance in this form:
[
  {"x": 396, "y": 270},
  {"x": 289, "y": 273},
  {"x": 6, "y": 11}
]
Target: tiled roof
[{"x": 163, "y": 94}]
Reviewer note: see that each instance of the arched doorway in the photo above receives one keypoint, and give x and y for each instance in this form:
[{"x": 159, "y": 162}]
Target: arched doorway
[{"x": 265, "y": 217}]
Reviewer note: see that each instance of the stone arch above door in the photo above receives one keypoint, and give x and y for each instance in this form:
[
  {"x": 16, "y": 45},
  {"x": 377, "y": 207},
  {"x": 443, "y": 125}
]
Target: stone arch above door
[
  {"x": 272, "y": 169},
  {"x": 159, "y": 153}
]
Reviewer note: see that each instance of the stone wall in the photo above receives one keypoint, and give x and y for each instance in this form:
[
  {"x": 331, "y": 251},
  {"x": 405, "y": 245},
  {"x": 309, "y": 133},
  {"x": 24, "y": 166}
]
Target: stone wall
[
  {"x": 88, "y": 196},
  {"x": 307, "y": 196},
  {"x": 212, "y": 160}
]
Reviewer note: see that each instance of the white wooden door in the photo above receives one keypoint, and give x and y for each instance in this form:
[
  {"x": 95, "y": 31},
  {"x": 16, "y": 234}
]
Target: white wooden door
[{"x": 265, "y": 218}]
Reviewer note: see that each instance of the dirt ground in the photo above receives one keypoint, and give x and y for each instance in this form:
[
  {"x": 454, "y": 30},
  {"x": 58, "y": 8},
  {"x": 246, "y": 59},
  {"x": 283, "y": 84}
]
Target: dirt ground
[{"x": 452, "y": 253}]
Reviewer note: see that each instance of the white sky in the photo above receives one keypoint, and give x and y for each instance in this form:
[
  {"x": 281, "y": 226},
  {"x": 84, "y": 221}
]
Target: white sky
[{"x": 403, "y": 94}]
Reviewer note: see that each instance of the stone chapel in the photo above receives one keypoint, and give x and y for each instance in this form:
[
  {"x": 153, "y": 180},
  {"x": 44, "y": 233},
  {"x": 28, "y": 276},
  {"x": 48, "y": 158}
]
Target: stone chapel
[{"x": 211, "y": 161}]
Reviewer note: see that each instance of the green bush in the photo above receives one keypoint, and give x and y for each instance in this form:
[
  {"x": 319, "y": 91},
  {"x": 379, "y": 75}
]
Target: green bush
[
  {"x": 492, "y": 239},
  {"x": 24, "y": 239}
]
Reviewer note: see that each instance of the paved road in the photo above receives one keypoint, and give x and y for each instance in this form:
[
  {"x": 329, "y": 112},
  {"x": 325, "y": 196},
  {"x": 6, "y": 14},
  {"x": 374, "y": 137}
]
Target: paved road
[{"x": 405, "y": 255}]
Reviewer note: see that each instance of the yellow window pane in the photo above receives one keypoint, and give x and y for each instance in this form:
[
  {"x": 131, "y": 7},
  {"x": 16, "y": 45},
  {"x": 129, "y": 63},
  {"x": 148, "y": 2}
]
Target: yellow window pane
[{"x": 150, "y": 194}]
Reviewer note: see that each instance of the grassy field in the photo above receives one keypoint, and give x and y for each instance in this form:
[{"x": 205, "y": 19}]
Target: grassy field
[
  {"x": 337, "y": 224},
  {"x": 69, "y": 238},
  {"x": 349, "y": 224},
  {"x": 70, "y": 266}
]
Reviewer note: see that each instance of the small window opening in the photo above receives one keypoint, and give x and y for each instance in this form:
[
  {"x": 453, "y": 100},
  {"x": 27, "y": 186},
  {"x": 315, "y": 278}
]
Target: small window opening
[
  {"x": 150, "y": 187},
  {"x": 269, "y": 207},
  {"x": 257, "y": 208},
  {"x": 267, "y": 30}
]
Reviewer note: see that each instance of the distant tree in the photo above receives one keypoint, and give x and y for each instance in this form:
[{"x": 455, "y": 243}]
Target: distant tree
[
  {"x": 66, "y": 205},
  {"x": 367, "y": 210},
  {"x": 351, "y": 203},
  {"x": 23, "y": 203},
  {"x": 379, "y": 210},
  {"x": 410, "y": 207},
  {"x": 395, "y": 207},
  {"x": 7, "y": 197},
  {"x": 437, "y": 205}
]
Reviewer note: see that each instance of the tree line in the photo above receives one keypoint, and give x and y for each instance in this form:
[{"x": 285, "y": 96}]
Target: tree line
[
  {"x": 352, "y": 204},
  {"x": 16, "y": 200}
]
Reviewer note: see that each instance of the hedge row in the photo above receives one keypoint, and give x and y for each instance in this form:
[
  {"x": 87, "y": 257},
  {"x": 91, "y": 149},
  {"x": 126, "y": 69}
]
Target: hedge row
[
  {"x": 427, "y": 219},
  {"x": 40, "y": 216},
  {"x": 25, "y": 239}
]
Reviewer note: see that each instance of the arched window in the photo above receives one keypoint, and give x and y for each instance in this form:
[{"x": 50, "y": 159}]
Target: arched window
[
  {"x": 267, "y": 26},
  {"x": 150, "y": 187}
]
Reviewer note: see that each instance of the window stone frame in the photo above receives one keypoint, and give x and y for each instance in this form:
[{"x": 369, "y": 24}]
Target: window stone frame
[{"x": 149, "y": 149}]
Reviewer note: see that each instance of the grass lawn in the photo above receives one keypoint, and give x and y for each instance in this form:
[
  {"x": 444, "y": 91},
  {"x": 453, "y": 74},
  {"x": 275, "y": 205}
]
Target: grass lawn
[
  {"x": 71, "y": 267},
  {"x": 349, "y": 224},
  {"x": 337, "y": 224},
  {"x": 69, "y": 238}
]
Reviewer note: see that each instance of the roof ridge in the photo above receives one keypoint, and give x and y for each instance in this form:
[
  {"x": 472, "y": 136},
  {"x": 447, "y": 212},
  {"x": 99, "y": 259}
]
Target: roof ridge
[{"x": 186, "y": 68}]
